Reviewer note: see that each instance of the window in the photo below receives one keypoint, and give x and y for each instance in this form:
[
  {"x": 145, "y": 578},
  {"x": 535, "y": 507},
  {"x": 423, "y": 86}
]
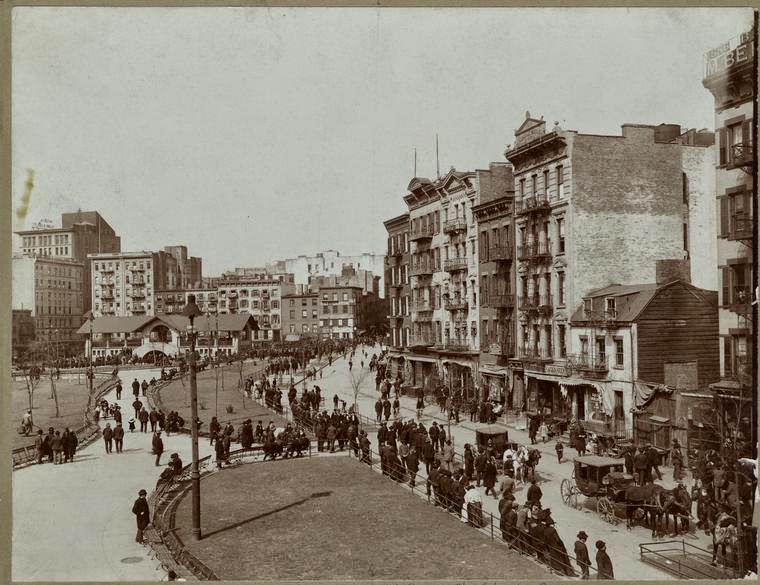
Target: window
[
  {"x": 304, "y": 313},
  {"x": 561, "y": 235},
  {"x": 522, "y": 187},
  {"x": 313, "y": 313},
  {"x": 534, "y": 185},
  {"x": 561, "y": 289},
  {"x": 546, "y": 183},
  {"x": 685, "y": 236},
  {"x": 601, "y": 355},
  {"x": 609, "y": 306},
  {"x": 560, "y": 182},
  {"x": 584, "y": 345},
  {"x": 561, "y": 341},
  {"x": 548, "y": 335},
  {"x": 292, "y": 303},
  {"x": 618, "y": 352}
]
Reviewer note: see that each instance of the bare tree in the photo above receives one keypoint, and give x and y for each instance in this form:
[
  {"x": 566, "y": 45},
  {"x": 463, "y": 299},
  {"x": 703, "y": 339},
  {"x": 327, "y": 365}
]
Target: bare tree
[
  {"x": 357, "y": 378},
  {"x": 54, "y": 392}
]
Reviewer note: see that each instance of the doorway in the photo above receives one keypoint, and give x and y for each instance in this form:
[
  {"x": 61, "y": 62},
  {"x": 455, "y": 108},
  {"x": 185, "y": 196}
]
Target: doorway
[{"x": 580, "y": 402}]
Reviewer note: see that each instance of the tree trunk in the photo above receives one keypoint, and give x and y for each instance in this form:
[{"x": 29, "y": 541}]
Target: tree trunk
[{"x": 55, "y": 395}]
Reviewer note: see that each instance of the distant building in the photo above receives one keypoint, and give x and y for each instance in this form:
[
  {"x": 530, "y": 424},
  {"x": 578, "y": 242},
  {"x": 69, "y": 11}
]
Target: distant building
[
  {"x": 349, "y": 276},
  {"x": 81, "y": 233},
  {"x": 300, "y": 315},
  {"x": 22, "y": 331},
  {"x": 329, "y": 263},
  {"x": 258, "y": 294},
  {"x": 189, "y": 268},
  {"x": 174, "y": 301},
  {"x": 51, "y": 289},
  {"x": 124, "y": 283},
  {"x": 397, "y": 290},
  {"x": 342, "y": 314},
  {"x": 166, "y": 335}
]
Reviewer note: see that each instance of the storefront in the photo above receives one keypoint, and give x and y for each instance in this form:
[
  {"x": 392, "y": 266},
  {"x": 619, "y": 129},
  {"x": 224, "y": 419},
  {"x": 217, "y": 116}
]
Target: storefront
[
  {"x": 494, "y": 384},
  {"x": 459, "y": 378},
  {"x": 422, "y": 372}
]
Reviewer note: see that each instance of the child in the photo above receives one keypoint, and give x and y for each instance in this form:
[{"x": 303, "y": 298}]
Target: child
[
  {"x": 559, "y": 448},
  {"x": 131, "y": 425},
  {"x": 543, "y": 431}
]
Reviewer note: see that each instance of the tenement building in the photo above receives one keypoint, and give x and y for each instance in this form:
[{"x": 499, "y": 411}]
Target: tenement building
[
  {"x": 591, "y": 211},
  {"x": 124, "y": 283},
  {"x": 81, "y": 233},
  {"x": 445, "y": 341},
  {"x": 343, "y": 311},
  {"x": 397, "y": 290},
  {"x": 300, "y": 315},
  {"x": 328, "y": 263},
  {"x": 496, "y": 254},
  {"x": 729, "y": 75},
  {"x": 51, "y": 289}
]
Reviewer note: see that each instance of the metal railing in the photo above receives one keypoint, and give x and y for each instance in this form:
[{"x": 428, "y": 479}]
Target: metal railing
[
  {"x": 686, "y": 561},
  {"x": 456, "y": 304},
  {"x": 498, "y": 301},
  {"x": 500, "y": 252},
  {"x": 455, "y": 264},
  {"x": 457, "y": 224},
  {"x": 421, "y": 233},
  {"x": 741, "y": 154},
  {"x": 422, "y": 269},
  {"x": 22, "y": 456}
]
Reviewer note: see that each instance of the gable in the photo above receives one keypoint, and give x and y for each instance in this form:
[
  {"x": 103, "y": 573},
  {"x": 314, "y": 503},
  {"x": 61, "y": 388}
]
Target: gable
[{"x": 528, "y": 125}]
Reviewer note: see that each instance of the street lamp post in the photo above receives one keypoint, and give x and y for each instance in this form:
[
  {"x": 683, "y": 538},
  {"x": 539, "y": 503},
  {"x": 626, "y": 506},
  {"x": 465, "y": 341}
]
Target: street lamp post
[{"x": 191, "y": 311}]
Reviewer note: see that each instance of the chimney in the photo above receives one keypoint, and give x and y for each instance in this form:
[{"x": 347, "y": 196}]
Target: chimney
[{"x": 669, "y": 270}]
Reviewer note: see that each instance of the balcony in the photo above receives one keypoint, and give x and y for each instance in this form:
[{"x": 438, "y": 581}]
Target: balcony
[
  {"x": 542, "y": 250},
  {"x": 422, "y": 269},
  {"x": 545, "y": 304},
  {"x": 138, "y": 310},
  {"x": 455, "y": 304},
  {"x": 421, "y": 233},
  {"x": 137, "y": 294},
  {"x": 534, "y": 359},
  {"x": 741, "y": 298},
  {"x": 107, "y": 295},
  {"x": 740, "y": 157},
  {"x": 457, "y": 345},
  {"x": 422, "y": 306},
  {"x": 504, "y": 301},
  {"x": 525, "y": 251},
  {"x": 456, "y": 225},
  {"x": 500, "y": 253},
  {"x": 455, "y": 264},
  {"x": 741, "y": 228},
  {"x": 500, "y": 346},
  {"x": 424, "y": 317},
  {"x": 396, "y": 285},
  {"x": 528, "y": 303},
  {"x": 106, "y": 270},
  {"x": 587, "y": 365},
  {"x": 421, "y": 341},
  {"x": 137, "y": 269},
  {"x": 532, "y": 204}
]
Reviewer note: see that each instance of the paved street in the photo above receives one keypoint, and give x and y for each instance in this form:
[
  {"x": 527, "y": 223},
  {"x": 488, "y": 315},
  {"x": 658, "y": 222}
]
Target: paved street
[
  {"x": 622, "y": 544},
  {"x": 88, "y": 505}
]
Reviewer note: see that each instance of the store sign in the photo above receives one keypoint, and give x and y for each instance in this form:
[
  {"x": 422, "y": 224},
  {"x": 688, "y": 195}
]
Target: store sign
[
  {"x": 737, "y": 51},
  {"x": 556, "y": 370}
]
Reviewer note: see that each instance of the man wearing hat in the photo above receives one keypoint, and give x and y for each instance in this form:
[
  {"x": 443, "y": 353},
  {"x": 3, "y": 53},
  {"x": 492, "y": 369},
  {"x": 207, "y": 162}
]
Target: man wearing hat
[
  {"x": 603, "y": 562},
  {"x": 158, "y": 447},
  {"x": 581, "y": 554},
  {"x": 142, "y": 512}
]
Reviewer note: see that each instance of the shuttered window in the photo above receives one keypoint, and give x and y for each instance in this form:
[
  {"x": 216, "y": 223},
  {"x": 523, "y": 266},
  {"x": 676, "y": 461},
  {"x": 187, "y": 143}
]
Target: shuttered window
[
  {"x": 724, "y": 217},
  {"x": 726, "y": 286},
  {"x": 722, "y": 146}
]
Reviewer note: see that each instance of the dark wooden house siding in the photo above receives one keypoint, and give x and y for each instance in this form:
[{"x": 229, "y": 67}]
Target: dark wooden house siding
[{"x": 680, "y": 324}]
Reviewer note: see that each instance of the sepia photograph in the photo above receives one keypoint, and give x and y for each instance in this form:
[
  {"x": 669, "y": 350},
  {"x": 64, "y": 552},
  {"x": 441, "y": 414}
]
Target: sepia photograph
[{"x": 381, "y": 293}]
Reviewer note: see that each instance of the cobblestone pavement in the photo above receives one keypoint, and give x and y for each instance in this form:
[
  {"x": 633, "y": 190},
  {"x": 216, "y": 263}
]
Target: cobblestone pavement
[
  {"x": 74, "y": 522},
  {"x": 622, "y": 544}
]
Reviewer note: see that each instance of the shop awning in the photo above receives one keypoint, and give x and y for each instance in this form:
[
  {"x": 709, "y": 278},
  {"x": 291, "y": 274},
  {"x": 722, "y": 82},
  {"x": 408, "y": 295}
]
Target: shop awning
[
  {"x": 458, "y": 363},
  {"x": 416, "y": 358},
  {"x": 659, "y": 419},
  {"x": 494, "y": 370}
]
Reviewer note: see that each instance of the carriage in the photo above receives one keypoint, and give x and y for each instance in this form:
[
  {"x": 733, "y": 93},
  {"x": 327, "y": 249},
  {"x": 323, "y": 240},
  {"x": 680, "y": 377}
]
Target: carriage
[
  {"x": 601, "y": 478},
  {"x": 499, "y": 437}
]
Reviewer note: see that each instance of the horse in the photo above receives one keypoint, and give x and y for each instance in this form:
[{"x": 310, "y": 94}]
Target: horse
[
  {"x": 645, "y": 498},
  {"x": 272, "y": 448},
  {"x": 669, "y": 504}
]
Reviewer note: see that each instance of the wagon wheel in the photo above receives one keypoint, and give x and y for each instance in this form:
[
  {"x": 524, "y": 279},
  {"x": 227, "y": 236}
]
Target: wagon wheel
[
  {"x": 606, "y": 510},
  {"x": 567, "y": 489}
]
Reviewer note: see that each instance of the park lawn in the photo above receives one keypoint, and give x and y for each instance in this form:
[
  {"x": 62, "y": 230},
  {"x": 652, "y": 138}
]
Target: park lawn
[
  {"x": 72, "y": 402},
  {"x": 175, "y": 396},
  {"x": 334, "y": 518}
]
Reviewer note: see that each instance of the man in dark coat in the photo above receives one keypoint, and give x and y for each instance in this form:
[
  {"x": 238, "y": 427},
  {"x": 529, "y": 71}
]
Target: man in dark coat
[
  {"x": 640, "y": 466},
  {"x": 387, "y": 408},
  {"x": 379, "y": 410},
  {"x": 118, "y": 437},
  {"x": 144, "y": 387},
  {"x": 603, "y": 562},
  {"x": 628, "y": 455},
  {"x": 507, "y": 518},
  {"x": 428, "y": 455},
  {"x": 142, "y": 513},
  {"x": 581, "y": 554},
  {"x": 158, "y": 447},
  {"x": 118, "y": 390},
  {"x": 412, "y": 465},
  {"x": 219, "y": 452},
  {"x": 143, "y": 418},
  {"x": 653, "y": 462},
  {"x": 108, "y": 437},
  {"x": 136, "y": 388},
  {"x": 246, "y": 435},
  {"x": 153, "y": 418},
  {"x": 434, "y": 432},
  {"x": 534, "y": 493},
  {"x": 137, "y": 405}
]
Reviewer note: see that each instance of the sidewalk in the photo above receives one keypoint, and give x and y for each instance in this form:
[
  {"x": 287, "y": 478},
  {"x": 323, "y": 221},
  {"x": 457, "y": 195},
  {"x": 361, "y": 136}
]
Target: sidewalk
[{"x": 74, "y": 522}]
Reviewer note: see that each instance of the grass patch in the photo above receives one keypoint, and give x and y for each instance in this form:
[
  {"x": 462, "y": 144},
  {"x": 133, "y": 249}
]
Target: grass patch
[
  {"x": 175, "y": 396},
  {"x": 334, "y": 518},
  {"x": 72, "y": 402}
]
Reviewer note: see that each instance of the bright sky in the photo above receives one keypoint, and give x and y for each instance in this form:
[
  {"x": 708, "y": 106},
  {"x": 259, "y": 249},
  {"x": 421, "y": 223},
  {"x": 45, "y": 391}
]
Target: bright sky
[{"x": 251, "y": 134}]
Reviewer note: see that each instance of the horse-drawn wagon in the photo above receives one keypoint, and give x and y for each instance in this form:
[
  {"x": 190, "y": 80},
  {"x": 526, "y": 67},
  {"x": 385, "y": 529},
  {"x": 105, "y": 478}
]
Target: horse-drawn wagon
[{"x": 601, "y": 478}]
